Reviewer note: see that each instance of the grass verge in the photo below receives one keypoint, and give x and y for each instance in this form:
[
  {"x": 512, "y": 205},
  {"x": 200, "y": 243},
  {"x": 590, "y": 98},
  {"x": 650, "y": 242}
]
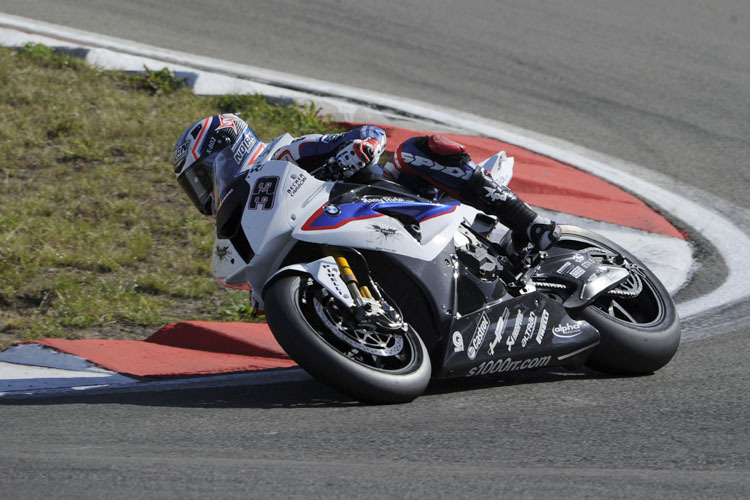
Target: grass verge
[{"x": 96, "y": 238}]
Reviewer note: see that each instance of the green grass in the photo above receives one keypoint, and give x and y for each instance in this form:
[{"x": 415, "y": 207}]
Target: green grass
[{"x": 96, "y": 237}]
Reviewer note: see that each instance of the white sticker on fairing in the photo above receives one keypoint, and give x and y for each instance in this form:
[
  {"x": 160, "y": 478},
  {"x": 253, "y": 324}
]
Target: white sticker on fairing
[
  {"x": 478, "y": 337},
  {"x": 458, "y": 342},
  {"x": 326, "y": 272}
]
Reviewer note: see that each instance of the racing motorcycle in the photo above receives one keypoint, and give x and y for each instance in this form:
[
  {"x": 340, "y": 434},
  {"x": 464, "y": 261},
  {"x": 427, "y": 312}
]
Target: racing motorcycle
[{"x": 375, "y": 290}]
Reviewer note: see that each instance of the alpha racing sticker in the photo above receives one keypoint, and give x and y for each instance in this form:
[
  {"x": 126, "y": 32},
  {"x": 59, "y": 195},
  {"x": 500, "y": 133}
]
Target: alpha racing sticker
[{"x": 567, "y": 330}]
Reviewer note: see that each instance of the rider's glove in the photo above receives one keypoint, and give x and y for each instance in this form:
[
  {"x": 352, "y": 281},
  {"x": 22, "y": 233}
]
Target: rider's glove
[{"x": 357, "y": 155}]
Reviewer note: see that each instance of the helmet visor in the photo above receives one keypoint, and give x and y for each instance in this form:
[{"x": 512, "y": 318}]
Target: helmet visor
[{"x": 197, "y": 182}]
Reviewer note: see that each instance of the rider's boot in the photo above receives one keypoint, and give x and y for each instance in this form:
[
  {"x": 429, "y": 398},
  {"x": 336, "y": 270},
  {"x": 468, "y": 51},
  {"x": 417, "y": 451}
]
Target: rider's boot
[{"x": 526, "y": 225}]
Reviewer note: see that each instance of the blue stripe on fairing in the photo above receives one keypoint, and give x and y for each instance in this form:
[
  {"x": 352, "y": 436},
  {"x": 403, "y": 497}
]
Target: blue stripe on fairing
[{"x": 355, "y": 211}]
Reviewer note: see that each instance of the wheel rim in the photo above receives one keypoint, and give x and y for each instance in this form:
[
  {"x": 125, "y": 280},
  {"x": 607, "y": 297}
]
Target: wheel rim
[
  {"x": 644, "y": 309},
  {"x": 389, "y": 351}
]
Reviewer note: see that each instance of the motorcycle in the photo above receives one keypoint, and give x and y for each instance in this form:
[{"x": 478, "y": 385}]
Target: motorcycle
[{"x": 375, "y": 290}]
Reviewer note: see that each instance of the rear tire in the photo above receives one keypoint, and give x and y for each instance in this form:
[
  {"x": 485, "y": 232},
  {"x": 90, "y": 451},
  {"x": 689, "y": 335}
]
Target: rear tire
[
  {"x": 639, "y": 334},
  {"x": 378, "y": 373}
]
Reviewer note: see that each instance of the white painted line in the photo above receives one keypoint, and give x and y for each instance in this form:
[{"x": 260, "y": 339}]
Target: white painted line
[
  {"x": 41, "y": 355},
  {"x": 724, "y": 235},
  {"x": 25, "y": 379}
]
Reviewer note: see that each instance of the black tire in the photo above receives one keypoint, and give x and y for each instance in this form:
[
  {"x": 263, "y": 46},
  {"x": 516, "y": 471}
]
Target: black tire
[
  {"x": 314, "y": 346},
  {"x": 639, "y": 335}
]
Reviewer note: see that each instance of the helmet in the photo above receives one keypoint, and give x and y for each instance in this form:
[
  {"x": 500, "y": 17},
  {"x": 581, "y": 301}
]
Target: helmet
[{"x": 198, "y": 147}]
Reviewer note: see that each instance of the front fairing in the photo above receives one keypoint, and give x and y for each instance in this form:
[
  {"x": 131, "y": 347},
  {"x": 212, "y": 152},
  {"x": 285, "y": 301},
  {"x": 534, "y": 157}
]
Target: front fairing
[{"x": 383, "y": 218}]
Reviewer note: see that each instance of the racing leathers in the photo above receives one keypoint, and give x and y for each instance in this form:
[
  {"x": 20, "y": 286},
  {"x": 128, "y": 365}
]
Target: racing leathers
[
  {"x": 435, "y": 162},
  {"x": 345, "y": 153},
  {"x": 427, "y": 165}
]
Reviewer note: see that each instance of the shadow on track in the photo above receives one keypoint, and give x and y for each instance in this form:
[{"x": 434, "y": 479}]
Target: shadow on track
[{"x": 302, "y": 394}]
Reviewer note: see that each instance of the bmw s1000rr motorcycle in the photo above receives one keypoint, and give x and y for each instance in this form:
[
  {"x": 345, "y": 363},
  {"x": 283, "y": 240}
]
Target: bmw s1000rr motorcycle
[{"x": 374, "y": 290}]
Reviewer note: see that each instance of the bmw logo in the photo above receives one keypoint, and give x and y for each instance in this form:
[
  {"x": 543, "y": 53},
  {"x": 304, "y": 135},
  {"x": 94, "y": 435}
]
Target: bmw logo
[{"x": 332, "y": 210}]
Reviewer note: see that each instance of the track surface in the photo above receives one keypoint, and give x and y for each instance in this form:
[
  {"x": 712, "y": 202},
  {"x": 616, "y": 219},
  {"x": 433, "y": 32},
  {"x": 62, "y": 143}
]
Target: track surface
[{"x": 662, "y": 83}]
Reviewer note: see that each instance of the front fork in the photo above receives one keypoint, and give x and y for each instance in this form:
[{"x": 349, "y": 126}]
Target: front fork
[
  {"x": 360, "y": 294},
  {"x": 368, "y": 303}
]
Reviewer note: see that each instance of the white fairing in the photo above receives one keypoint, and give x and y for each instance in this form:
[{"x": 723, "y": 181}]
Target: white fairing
[
  {"x": 283, "y": 206},
  {"x": 226, "y": 262}
]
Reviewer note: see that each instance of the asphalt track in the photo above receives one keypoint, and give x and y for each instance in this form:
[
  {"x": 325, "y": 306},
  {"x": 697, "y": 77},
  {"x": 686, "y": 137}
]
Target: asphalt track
[{"x": 664, "y": 84}]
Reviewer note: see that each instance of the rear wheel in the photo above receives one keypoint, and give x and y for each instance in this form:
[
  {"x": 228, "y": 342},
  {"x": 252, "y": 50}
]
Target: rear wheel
[
  {"x": 369, "y": 361},
  {"x": 638, "y": 322}
]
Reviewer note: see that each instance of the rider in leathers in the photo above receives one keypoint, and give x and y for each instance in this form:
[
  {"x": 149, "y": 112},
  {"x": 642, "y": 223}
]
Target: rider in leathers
[{"x": 422, "y": 164}]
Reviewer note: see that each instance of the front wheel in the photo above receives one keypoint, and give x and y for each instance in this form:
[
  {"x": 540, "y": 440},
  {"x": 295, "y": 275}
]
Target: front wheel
[
  {"x": 369, "y": 363},
  {"x": 638, "y": 322}
]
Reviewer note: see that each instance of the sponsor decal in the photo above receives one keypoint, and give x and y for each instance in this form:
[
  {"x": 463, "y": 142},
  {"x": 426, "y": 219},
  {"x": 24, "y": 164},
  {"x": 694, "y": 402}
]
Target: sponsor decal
[
  {"x": 377, "y": 234},
  {"x": 297, "y": 183},
  {"x": 331, "y": 137},
  {"x": 211, "y": 144},
  {"x": 499, "y": 329},
  {"x": 264, "y": 193},
  {"x": 529, "y": 329},
  {"x": 508, "y": 365},
  {"x": 511, "y": 340},
  {"x": 332, "y": 210},
  {"x": 579, "y": 258},
  {"x": 180, "y": 153},
  {"x": 567, "y": 330},
  {"x": 229, "y": 122},
  {"x": 222, "y": 252},
  {"x": 478, "y": 337},
  {"x": 542, "y": 327},
  {"x": 333, "y": 274},
  {"x": 577, "y": 272},
  {"x": 495, "y": 194},
  {"x": 244, "y": 148},
  {"x": 421, "y": 161},
  {"x": 458, "y": 342},
  {"x": 563, "y": 268}
]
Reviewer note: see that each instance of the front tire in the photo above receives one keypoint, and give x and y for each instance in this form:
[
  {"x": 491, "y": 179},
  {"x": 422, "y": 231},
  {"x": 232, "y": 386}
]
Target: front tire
[
  {"x": 388, "y": 367},
  {"x": 639, "y": 334}
]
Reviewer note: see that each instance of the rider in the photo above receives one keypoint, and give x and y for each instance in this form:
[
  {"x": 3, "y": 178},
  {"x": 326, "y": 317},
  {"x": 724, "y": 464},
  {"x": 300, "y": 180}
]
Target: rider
[{"x": 419, "y": 163}]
